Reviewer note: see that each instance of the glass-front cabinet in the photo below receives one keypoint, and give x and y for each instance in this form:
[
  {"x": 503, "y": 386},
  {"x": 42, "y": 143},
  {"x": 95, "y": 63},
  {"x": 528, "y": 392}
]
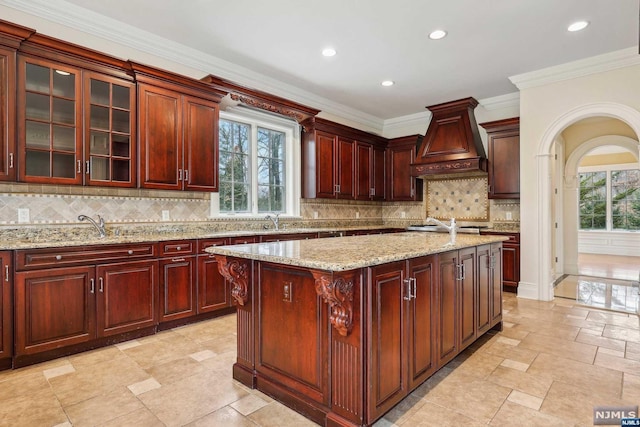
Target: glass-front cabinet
[
  {"x": 75, "y": 125},
  {"x": 50, "y": 122},
  {"x": 109, "y": 134}
]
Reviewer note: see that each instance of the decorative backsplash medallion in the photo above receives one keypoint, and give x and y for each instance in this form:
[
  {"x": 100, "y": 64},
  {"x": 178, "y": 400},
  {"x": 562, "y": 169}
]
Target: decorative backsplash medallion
[{"x": 460, "y": 198}]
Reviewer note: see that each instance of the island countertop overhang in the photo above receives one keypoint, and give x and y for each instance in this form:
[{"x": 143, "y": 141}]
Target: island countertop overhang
[{"x": 353, "y": 252}]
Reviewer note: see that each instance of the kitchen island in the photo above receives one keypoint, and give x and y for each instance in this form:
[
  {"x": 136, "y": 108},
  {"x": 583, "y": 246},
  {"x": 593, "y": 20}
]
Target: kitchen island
[{"x": 343, "y": 329}]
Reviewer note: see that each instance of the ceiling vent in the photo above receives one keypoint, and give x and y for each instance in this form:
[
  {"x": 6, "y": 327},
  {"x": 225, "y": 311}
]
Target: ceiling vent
[{"x": 452, "y": 143}]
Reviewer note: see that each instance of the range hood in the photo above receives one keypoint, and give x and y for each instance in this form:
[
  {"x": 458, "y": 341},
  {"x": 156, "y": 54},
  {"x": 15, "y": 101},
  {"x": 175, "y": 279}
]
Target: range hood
[{"x": 452, "y": 143}]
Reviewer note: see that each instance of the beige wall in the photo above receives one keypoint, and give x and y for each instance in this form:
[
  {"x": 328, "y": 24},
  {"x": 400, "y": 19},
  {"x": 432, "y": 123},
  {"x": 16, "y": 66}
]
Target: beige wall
[
  {"x": 574, "y": 135},
  {"x": 608, "y": 159},
  {"x": 545, "y": 111}
]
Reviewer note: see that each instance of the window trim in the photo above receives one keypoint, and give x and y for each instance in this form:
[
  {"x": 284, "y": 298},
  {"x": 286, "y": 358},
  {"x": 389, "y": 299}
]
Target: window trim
[
  {"x": 609, "y": 220},
  {"x": 292, "y": 162}
]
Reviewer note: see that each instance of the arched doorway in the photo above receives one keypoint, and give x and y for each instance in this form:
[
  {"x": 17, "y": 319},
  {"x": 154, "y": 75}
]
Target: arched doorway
[{"x": 544, "y": 156}]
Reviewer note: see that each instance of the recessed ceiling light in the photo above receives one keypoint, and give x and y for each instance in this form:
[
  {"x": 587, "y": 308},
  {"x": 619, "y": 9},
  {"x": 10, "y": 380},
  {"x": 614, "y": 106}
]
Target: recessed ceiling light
[
  {"x": 328, "y": 51},
  {"x": 577, "y": 26},
  {"x": 388, "y": 83},
  {"x": 437, "y": 34}
]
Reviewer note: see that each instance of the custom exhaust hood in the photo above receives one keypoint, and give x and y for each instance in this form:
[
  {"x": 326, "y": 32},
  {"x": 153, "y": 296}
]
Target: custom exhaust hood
[{"x": 452, "y": 143}]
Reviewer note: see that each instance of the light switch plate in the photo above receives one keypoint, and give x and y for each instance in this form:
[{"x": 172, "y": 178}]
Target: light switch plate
[{"x": 23, "y": 215}]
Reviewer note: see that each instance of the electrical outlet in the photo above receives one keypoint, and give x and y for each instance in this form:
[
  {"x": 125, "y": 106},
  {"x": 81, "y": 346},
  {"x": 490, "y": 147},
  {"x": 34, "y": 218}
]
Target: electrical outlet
[
  {"x": 403, "y": 214},
  {"x": 357, "y": 215},
  {"x": 23, "y": 215},
  {"x": 165, "y": 215},
  {"x": 315, "y": 215},
  {"x": 509, "y": 216}
]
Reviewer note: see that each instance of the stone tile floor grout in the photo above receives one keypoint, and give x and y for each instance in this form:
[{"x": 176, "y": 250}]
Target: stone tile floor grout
[{"x": 552, "y": 363}]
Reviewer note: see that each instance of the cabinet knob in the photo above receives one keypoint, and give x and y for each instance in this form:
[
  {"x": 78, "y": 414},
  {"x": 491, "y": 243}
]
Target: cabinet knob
[
  {"x": 58, "y": 257},
  {"x": 130, "y": 252},
  {"x": 178, "y": 248}
]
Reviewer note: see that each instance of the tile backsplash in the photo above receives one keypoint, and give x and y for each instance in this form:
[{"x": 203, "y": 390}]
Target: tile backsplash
[{"x": 462, "y": 198}]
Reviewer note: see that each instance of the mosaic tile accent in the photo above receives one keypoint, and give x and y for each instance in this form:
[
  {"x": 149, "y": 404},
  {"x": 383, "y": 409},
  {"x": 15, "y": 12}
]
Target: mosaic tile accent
[{"x": 463, "y": 199}]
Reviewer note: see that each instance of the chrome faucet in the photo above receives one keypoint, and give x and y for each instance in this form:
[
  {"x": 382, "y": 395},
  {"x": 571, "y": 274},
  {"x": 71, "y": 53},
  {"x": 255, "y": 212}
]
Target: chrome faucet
[
  {"x": 275, "y": 219},
  {"x": 451, "y": 228},
  {"x": 99, "y": 225}
]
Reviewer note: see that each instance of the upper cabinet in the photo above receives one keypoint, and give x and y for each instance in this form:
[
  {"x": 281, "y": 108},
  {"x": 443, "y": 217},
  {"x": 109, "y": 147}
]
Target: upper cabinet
[
  {"x": 503, "y": 142},
  {"x": 75, "y": 115},
  {"x": 178, "y": 135},
  {"x": 341, "y": 162},
  {"x": 10, "y": 38},
  {"x": 401, "y": 153}
]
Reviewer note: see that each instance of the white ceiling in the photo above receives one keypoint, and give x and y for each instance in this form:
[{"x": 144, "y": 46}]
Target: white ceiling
[{"x": 488, "y": 41}]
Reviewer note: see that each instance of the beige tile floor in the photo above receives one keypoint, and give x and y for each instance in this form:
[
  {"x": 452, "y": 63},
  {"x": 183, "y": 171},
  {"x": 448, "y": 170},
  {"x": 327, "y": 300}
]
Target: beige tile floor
[{"x": 549, "y": 366}]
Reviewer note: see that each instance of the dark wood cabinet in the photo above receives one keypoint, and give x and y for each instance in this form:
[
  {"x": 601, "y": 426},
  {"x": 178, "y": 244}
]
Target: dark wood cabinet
[
  {"x": 126, "y": 296},
  {"x": 6, "y": 310},
  {"x": 283, "y": 237},
  {"x": 178, "y": 284},
  {"x": 401, "y": 153},
  {"x": 457, "y": 302},
  {"x": 341, "y": 162},
  {"x": 503, "y": 143},
  {"x": 54, "y": 308},
  {"x": 489, "y": 287},
  {"x": 67, "y": 297},
  {"x": 213, "y": 290},
  {"x": 510, "y": 260},
  {"x": 178, "y": 131},
  {"x": 76, "y": 115},
  {"x": 403, "y": 330}
]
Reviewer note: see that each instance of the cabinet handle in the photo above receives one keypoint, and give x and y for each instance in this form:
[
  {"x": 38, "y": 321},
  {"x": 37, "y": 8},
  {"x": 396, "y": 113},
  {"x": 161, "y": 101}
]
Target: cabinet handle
[
  {"x": 10, "y": 160},
  {"x": 6, "y": 273},
  {"x": 407, "y": 295},
  {"x": 101, "y": 281},
  {"x": 79, "y": 166},
  {"x": 177, "y": 259},
  {"x": 179, "y": 174},
  {"x": 130, "y": 251},
  {"x": 338, "y": 188},
  {"x": 415, "y": 288},
  {"x": 462, "y": 271},
  {"x": 178, "y": 248},
  {"x": 93, "y": 286},
  {"x": 458, "y": 271},
  {"x": 186, "y": 175},
  {"x": 87, "y": 167},
  {"x": 58, "y": 257},
  {"x": 372, "y": 192}
]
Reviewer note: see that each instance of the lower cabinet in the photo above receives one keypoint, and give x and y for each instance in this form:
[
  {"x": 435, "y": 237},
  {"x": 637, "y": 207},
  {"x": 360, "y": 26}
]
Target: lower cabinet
[
  {"x": 6, "y": 310},
  {"x": 213, "y": 291},
  {"x": 403, "y": 330},
  {"x": 489, "y": 288},
  {"x": 456, "y": 301},
  {"x": 510, "y": 260},
  {"x": 177, "y": 280},
  {"x": 59, "y": 307}
]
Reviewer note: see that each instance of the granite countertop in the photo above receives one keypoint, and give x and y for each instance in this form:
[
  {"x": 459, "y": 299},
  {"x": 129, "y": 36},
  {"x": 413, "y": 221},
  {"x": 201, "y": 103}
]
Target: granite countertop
[
  {"x": 348, "y": 253},
  {"x": 82, "y": 237}
]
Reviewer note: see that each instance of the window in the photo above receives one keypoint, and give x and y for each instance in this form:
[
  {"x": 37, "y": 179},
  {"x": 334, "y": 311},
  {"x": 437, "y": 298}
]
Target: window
[
  {"x": 609, "y": 198},
  {"x": 257, "y": 170}
]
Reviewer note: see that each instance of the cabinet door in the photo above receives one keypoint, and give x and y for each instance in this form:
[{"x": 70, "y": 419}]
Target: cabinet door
[
  {"x": 378, "y": 170},
  {"x": 363, "y": 187},
  {"x": 345, "y": 175},
  {"x": 510, "y": 266},
  {"x": 54, "y": 308},
  {"x": 49, "y": 122},
  {"x": 7, "y": 114},
  {"x": 200, "y": 145},
  {"x": 422, "y": 320},
  {"x": 160, "y": 137},
  {"x": 177, "y": 288},
  {"x": 504, "y": 164},
  {"x": 388, "y": 384},
  {"x": 467, "y": 297},
  {"x": 496, "y": 283},
  {"x": 213, "y": 292},
  {"x": 484, "y": 289},
  {"x": 448, "y": 307},
  {"x": 126, "y": 296},
  {"x": 325, "y": 164},
  {"x": 6, "y": 307},
  {"x": 402, "y": 186},
  {"x": 110, "y": 153}
]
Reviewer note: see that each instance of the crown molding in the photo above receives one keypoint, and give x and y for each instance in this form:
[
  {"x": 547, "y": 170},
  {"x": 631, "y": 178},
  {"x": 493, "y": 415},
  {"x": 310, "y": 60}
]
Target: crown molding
[
  {"x": 81, "y": 19},
  {"x": 580, "y": 68},
  {"x": 407, "y": 125},
  {"x": 499, "y": 102}
]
